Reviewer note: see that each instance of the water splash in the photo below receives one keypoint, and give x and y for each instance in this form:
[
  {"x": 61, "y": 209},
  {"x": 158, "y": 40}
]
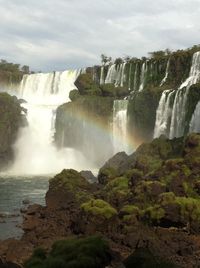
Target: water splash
[
  {"x": 34, "y": 150},
  {"x": 120, "y": 131}
]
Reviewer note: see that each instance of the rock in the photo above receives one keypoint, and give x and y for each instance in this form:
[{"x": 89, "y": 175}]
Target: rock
[
  {"x": 88, "y": 175},
  {"x": 11, "y": 120},
  {"x": 113, "y": 168},
  {"x": 26, "y": 201},
  {"x": 68, "y": 189},
  {"x": 86, "y": 85}
]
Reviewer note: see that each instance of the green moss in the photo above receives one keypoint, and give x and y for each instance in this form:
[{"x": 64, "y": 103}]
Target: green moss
[
  {"x": 167, "y": 198},
  {"x": 134, "y": 174},
  {"x": 117, "y": 191},
  {"x": 147, "y": 192},
  {"x": 74, "y": 95},
  {"x": 154, "y": 213},
  {"x": 69, "y": 179},
  {"x": 98, "y": 207},
  {"x": 130, "y": 209},
  {"x": 108, "y": 173},
  {"x": 112, "y": 91},
  {"x": 189, "y": 208}
]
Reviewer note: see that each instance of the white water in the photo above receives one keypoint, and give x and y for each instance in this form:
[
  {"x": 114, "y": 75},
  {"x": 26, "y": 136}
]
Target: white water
[
  {"x": 120, "y": 132},
  {"x": 135, "y": 77},
  {"x": 116, "y": 75},
  {"x": 102, "y": 76},
  {"x": 163, "y": 114},
  {"x": 179, "y": 107},
  {"x": 143, "y": 75},
  {"x": 34, "y": 150},
  {"x": 166, "y": 74},
  {"x": 171, "y": 121},
  {"x": 195, "y": 121}
]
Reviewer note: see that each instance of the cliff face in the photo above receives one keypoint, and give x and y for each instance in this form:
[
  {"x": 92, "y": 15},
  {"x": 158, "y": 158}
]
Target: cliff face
[
  {"x": 11, "y": 119},
  {"x": 84, "y": 123},
  {"x": 162, "y": 94}
]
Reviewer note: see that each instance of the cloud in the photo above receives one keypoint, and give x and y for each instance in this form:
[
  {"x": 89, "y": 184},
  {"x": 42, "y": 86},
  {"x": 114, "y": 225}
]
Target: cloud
[{"x": 62, "y": 34}]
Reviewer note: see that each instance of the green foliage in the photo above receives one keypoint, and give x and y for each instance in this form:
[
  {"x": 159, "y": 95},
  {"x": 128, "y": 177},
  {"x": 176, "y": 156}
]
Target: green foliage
[
  {"x": 91, "y": 252},
  {"x": 154, "y": 213},
  {"x": 130, "y": 209},
  {"x": 111, "y": 91},
  {"x": 74, "y": 95},
  {"x": 98, "y": 207},
  {"x": 134, "y": 174},
  {"x": 189, "y": 208},
  {"x": 167, "y": 198},
  {"x": 11, "y": 73}
]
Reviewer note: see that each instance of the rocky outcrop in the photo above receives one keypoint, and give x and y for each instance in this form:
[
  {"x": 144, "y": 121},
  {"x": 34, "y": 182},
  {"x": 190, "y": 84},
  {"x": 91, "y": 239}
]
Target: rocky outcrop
[
  {"x": 149, "y": 201},
  {"x": 11, "y": 119},
  {"x": 85, "y": 121}
]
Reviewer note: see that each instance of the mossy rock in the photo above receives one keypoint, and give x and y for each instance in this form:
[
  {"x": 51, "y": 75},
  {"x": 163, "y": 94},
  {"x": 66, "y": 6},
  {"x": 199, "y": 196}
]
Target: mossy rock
[
  {"x": 107, "y": 174},
  {"x": 147, "y": 192},
  {"x": 154, "y": 214},
  {"x": 112, "y": 91},
  {"x": 68, "y": 187},
  {"x": 86, "y": 85},
  {"x": 99, "y": 208},
  {"x": 74, "y": 95},
  {"x": 117, "y": 191}
]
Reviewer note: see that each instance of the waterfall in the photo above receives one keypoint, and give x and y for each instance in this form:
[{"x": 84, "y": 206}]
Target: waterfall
[
  {"x": 116, "y": 75},
  {"x": 120, "y": 133},
  {"x": 129, "y": 79},
  {"x": 166, "y": 74},
  {"x": 143, "y": 75},
  {"x": 135, "y": 77},
  {"x": 195, "y": 121},
  {"x": 163, "y": 114},
  {"x": 177, "y": 127},
  {"x": 171, "y": 120},
  {"x": 102, "y": 76},
  {"x": 122, "y": 80},
  {"x": 111, "y": 75},
  {"x": 34, "y": 150}
]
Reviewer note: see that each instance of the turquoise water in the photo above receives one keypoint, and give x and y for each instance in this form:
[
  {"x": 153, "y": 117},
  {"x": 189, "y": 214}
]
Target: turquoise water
[{"x": 13, "y": 191}]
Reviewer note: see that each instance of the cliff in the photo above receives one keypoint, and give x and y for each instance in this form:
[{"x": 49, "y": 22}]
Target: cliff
[
  {"x": 11, "y": 119},
  {"x": 162, "y": 92}
]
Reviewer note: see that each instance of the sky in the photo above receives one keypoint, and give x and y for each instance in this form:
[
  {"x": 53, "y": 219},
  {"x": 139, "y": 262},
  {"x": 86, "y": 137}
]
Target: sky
[{"x": 51, "y": 35}]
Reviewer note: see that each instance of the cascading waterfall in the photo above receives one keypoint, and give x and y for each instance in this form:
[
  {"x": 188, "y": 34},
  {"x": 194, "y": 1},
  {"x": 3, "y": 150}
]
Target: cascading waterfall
[
  {"x": 179, "y": 107},
  {"x": 111, "y": 75},
  {"x": 116, "y": 75},
  {"x": 195, "y": 121},
  {"x": 120, "y": 132},
  {"x": 135, "y": 77},
  {"x": 166, "y": 73},
  {"x": 170, "y": 119},
  {"x": 102, "y": 76},
  {"x": 143, "y": 75},
  {"x": 163, "y": 114},
  {"x": 35, "y": 152}
]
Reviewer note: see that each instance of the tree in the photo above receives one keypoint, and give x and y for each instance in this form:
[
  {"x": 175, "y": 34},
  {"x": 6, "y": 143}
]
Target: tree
[
  {"x": 25, "y": 69},
  {"x": 105, "y": 59}
]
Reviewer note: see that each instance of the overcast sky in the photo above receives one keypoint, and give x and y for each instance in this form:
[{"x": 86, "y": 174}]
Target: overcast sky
[{"x": 61, "y": 34}]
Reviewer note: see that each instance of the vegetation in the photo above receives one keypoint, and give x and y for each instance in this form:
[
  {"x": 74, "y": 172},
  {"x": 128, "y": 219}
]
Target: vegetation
[
  {"x": 11, "y": 73},
  {"x": 99, "y": 208},
  {"x": 91, "y": 252}
]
